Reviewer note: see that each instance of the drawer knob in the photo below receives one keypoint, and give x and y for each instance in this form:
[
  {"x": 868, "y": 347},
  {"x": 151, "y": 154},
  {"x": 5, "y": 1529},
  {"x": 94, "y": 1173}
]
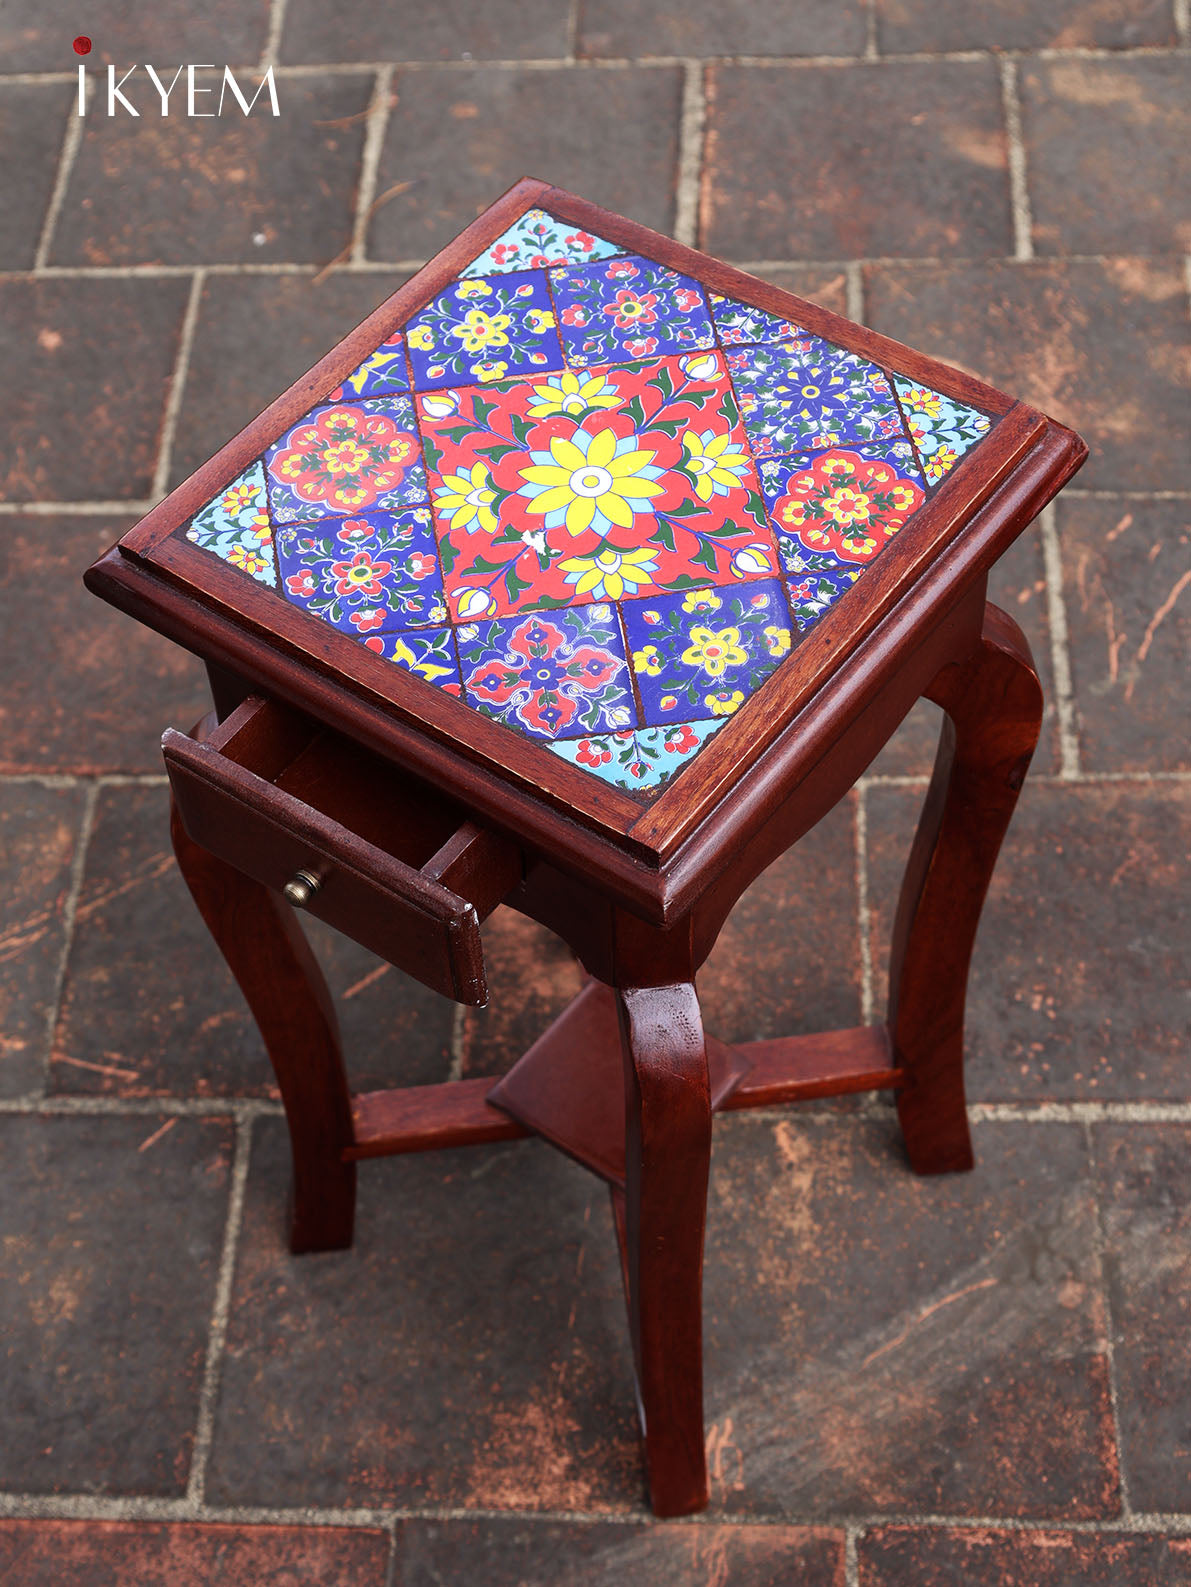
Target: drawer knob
[{"x": 301, "y": 887}]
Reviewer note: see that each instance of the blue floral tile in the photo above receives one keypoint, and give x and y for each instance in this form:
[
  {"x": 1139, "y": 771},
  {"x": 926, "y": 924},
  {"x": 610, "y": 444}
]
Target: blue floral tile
[
  {"x": 234, "y": 526},
  {"x": 776, "y": 472},
  {"x": 374, "y": 572},
  {"x": 794, "y": 398},
  {"x": 346, "y": 458},
  {"x": 843, "y": 502},
  {"x": 643, "y": 759},
  {"x": 382, "y": 371},
  {"x": 739, "y": 322},
  {"x": 483, "y": 330},
  {"x": 943, "y": 429},
  {"x": 628, "y": 308},
  {"x": 816, "y": 581},
  {"x": 549, "y": 673},
  {"x": 536, "y": 239},
  {"x": 429, "y": 653},
  {"x": 703, "y": 653}
]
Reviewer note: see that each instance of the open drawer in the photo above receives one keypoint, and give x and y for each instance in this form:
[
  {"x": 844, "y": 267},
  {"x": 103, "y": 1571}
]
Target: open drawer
[{"x": 384, "y": 858}]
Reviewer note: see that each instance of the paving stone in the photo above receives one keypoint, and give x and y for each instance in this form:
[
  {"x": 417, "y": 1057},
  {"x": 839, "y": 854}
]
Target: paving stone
[
  {"x": 1143, "y": 1171},
  {"x": 532, "y": 976},
  {"x": 827, "y": 163},
  {"x": 113, "y": 1229},
  {"x": 608, "y": 1554},
  {"x": 1101, "y": 346},
  {"x": 86, "y": 689},
  {"x": 1126, "y": 569},
  {"x": 826, "y": 286},
  {"x": 1077, "y": 980},
  {"x": 403, "y": 30},
  {"x": 96, "y": 357},
  {"x": 910, "y": 25},
  {"x": 983, "y": 1556},
  {"x": 471, "y": 1350},
  {"x": 254, "y": 336},
  {"x": 35, "y": 37},
  {"x": 153, "y": 1554},
  {"x": 182, "y": 189},
  {"x": 33, "y": 119},
  {"x": 1017, "y": 584},
  {"x": 1097, "y": 127},
  {"x": 722, "y": 27},
  {"x": 150, "y": 1009},
  {"x": 459, "y": 138},
  {"x": 879, "y": 1342},
  {"x": 39, "y": 834}
]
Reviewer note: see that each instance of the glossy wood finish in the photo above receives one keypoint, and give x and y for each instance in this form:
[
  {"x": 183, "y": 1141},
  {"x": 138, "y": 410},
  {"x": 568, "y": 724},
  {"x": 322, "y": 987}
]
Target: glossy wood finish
[{"x": 993, "y": 706}]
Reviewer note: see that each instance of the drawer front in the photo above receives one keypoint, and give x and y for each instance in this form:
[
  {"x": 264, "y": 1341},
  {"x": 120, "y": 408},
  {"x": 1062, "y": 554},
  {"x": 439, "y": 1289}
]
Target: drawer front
[{"x": 368, "y": 894}]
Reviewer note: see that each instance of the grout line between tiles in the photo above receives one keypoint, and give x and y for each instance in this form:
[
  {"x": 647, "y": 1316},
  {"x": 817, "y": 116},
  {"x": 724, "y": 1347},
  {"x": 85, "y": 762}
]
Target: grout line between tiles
[
  {"x": 70, "y": 906},
  {"x": 272, "y": 49},
  {"x": 119, "y": 1107},
  {"x": 1100, "y": 1247},
  {"x": 374, "y": 138},
  {"x": 71, "y": 139},
  {"x": 692, "y": 123},
  {"x": 871, "y": 48},
  {"x": 852, "y": 1535},
  {"x": 458, "y": 1048},
  {"x": 1060, "y": 658},
  {"x": 217, "y": 1335},
  {"x": 1182, "y": 20},
  {"x": 173, "y": 403},
  {"x": 863, "y": 914},
  {"x": 854, "y": 291},
  {"x": 1019, "y": 196},
  {"x": 573, "y": 33}
]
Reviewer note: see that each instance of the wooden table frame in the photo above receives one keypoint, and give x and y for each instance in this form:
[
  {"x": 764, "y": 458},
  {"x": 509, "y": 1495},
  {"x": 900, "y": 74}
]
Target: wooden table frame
[{"x": 626, "y": 1081}]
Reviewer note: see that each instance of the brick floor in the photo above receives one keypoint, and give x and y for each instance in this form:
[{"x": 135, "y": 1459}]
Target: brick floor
[{"x": 910, "y": 1383}]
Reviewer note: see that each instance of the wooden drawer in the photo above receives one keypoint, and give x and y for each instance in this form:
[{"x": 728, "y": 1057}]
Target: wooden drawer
[{"x": 396, "y": 865}]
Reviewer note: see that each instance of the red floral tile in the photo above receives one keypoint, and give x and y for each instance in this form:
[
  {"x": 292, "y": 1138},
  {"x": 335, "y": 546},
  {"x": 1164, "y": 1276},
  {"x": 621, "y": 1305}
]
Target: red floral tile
[{"x": 591, "y": 485}]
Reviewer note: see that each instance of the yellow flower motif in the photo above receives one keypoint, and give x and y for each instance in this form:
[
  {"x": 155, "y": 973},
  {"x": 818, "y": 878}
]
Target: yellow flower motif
[
  {"x": 468, "y": 497},
  {"x": 489, "y": 369},
  {"x": 472, "y": 289},
  {"x": 777, "y": 640},
  {"x": 427, "y": 668},
  {"x": 241, "y": 557},
  {"x": 647, "y": 661},
  {"x": 701, "y": 601},
  {"x": 598, "y": 484},
  {"x": 237, "y": 498},
  {"x": 261, "y": 528},
  {"x": 848, "y": 505},
  {"x": 724, "y": 703},
  {"x": 714, "y": 461},
  {"x": 571, "y": 393},
  {"x": 541, "y": 319},
  {"x": 480, "y": 330},
  {"x": 923, "y": 400},
  {"x": 942, "y": 458},
  {"x": 668, "y": 702},
  {"x": 422, "y": 338},
  {"x": 713, "y": 650},
  {"x": 610, "y": 573}
]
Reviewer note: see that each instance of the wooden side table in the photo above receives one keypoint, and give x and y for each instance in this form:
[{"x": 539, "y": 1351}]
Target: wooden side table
[{"x": 584, "y": 577}]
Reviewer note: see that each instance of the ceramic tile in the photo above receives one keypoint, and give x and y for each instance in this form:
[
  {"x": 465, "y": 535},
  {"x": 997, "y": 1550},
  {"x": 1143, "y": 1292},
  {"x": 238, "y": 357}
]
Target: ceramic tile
[
  {"x": 738, "y": 322},
  {"x": 585, "y": 486},
  {"x": 628, "y": 308},
  {"x": 775, "y": 472},
  {"x": 484, "y": 330},
  {"x": 549, "y": 673},
  {"x": 809, "y": 394},
  {"x": 375, "y": 572},
  {"x": 536, "y": 239},
  {"x": 943, "y": 429},
  {"x": 428, "y": 653},
  {"x": 235, "y": 526},
  {"x": 347, "y": 458},
  {"x": 646, "y": 758},
  {"x": 382, "y": 371},
  {"x": 844, "y": 503},
  {"x": 815, "y": 581},
  {"x": 703, "y": 653}
]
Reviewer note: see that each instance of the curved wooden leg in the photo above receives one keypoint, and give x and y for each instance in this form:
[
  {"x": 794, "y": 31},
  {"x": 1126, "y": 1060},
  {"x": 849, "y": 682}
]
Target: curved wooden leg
[
  {"x": 993, "y": 705},
  {"x": 269, "y": 956},
  {"x": 667, "y": 1151}
]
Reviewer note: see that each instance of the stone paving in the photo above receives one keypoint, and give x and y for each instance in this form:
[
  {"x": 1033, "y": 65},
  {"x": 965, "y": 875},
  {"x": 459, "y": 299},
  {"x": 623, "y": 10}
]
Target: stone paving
[{"x": 981, "y": 1380}]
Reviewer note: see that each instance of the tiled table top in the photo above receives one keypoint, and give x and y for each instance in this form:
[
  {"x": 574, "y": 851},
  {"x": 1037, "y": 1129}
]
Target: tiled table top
[{"x": 591, "y": 498}]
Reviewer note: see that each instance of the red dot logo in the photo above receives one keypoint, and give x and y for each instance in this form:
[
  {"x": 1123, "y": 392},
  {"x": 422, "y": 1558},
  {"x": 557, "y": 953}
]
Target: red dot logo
[{"x": 82, "y": 45}]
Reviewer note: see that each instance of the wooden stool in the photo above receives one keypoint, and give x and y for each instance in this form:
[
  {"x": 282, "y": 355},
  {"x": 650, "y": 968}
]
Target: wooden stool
[{"x": 584, "y": 577}]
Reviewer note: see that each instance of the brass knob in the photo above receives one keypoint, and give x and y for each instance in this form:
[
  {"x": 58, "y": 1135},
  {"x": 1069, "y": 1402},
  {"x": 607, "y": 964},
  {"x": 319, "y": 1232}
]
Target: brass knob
[{"x": 301, "y": 888}]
